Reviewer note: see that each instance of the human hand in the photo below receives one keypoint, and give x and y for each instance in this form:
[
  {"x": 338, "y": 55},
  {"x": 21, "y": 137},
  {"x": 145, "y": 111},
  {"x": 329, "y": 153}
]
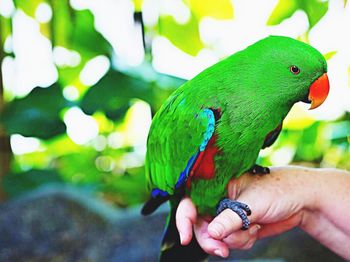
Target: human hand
[{"x": 278, "y": 202}]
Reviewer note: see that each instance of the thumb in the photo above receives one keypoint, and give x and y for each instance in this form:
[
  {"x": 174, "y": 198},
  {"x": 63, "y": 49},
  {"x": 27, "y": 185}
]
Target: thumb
[
  {"x": 228, "y": 221},
  {"x": 224, "y": 224}
]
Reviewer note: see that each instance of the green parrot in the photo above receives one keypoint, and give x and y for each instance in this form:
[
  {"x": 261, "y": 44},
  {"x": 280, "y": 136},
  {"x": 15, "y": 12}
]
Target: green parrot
[{"x": 212, "y": 128}]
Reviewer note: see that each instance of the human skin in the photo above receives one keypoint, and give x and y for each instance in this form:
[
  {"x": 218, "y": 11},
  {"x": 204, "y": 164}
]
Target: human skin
[{"x": 316, "y": 200}]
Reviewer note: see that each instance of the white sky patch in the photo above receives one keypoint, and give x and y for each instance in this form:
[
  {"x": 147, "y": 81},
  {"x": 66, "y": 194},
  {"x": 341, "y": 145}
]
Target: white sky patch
[
  {"x": 175, "y": 8},
  {"x": 168, "y": 59},
  {"x": 150, "y": 12},
  {"x": 80, "y": 4},
  {"x": 94, "y": 70},
  {"x": 139, "y": 116},
  {"x": 152, "y": 9},
  {"x": 115, "y": 140},
  {"x": 65, "y": 57},
  {"x": 99, "y": 143},
  {"x": 33, "y": 64},
  {"x": 81, "y": 128},
  {"x": 282, "y": 156},
  {"x": 23, "y": 145},
  {"x": 295, "y": 26},
  {"x": 6, "y": 8},
  {"x": 105, "y": 163},
  {"x": 130, "y": 160},
  {"x": 71, "y": 93},
  {"x": 224, "y": 37},
  {"x": 331, "y": 32},
  {"x": 8, "y": 71},
  {"x": 229, "y": 36},
  {"x": 115, "y": 21},
  {"x": 43, "y": 13}
]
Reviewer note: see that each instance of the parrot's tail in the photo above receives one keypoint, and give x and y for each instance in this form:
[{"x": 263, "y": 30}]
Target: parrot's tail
[
  {"x": 152, "y": 204},
  {"x": 172, "y": 250}
]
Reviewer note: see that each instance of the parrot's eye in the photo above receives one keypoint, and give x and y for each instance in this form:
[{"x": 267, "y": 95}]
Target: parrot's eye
[{"x": 294, "y": 69}]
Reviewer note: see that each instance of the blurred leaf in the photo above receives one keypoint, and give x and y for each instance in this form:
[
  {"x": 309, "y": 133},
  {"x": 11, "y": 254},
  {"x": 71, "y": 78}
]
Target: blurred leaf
[
  {"x": 35, "y": 160},
  {"x": 339, "y": 130},
  {"x": 85, "y": 39},
  {"x": 28, "y": 6},
  {"x": 283, "y": 10},
  {"x": 222, "y": 9},
  {"x": 105, "y": 125},
  {"x": 329, "y": 55},
  {"x": 36, "y": 115},
  {"x": 113, "y": 93},
  {"x": 138, "y": 5},
  {"x": 70, "y": 75},
  {"x": 19, "y": 183},
  {"x": 314, "y": 9},
  {"x": 127, "y": 189},
  {"x": 5, "y": 28},
  {"x": 163, "y": 87},
  {"x": 62, "y": 26},
  {"x": 61, "y": 145},
  {"x": 184, "y": 36},
  {"x": 79, "y": 168},
  {"x": 308, "y": 148},
  {"x": 75, "y": 29}
]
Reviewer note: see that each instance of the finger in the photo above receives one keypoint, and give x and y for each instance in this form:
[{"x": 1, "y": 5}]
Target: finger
[
  {"x": 243, "y": 239},
  {"x": 249, "y": 244},
  {"x": 207, "y": 243},
  {"x": 224, "y": 224},
  {"x": 186, "y": 215}
]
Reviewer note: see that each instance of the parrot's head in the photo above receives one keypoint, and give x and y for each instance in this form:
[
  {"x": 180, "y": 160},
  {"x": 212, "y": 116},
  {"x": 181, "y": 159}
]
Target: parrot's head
[{"x": 290, "y": 70}]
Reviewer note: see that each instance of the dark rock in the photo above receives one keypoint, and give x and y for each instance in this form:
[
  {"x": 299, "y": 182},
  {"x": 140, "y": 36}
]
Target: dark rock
[{"x": 63, "y": 224}]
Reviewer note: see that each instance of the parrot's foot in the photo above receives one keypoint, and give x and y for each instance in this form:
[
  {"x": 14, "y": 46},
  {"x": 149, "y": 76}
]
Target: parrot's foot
[
  {"x": 242, "y": 210},
  {"x": 259, "y": 170}
]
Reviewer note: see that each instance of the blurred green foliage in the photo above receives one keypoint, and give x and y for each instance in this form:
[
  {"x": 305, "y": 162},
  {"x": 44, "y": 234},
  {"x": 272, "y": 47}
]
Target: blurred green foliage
[
  {"x": 314, "y": 10},
  {"x": 98, "y": 168},
  {"x": 33, "y": 112}
]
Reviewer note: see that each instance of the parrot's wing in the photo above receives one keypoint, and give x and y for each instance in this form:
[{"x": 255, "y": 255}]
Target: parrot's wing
[
  {"x": 272, "y": 136},
  {"x": 177, "y": 136}
]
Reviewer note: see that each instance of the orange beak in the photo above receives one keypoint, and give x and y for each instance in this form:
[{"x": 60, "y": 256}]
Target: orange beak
[{"x": 319, "y": 90}]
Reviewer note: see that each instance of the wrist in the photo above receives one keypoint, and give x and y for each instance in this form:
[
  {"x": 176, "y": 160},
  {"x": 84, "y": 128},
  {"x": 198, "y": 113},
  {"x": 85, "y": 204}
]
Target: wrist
[{"x": 313, "y": 183}]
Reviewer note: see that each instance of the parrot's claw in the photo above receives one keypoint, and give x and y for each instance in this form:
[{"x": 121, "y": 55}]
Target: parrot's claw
[
  {"x": 259, "y": 170},
  {"x": 241, "y": 209}
]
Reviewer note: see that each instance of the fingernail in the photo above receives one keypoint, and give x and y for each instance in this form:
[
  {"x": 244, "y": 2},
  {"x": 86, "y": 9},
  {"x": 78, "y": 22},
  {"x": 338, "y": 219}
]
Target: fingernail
[
  {"x": 253, "y": 230},
  {"x": 218, "y": 252},
  {"x": 181, "y": 238}
]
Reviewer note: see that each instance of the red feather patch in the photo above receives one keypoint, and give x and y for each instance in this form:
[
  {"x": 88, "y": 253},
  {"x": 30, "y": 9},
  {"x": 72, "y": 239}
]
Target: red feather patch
[{"x": 204, "y": 167}]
